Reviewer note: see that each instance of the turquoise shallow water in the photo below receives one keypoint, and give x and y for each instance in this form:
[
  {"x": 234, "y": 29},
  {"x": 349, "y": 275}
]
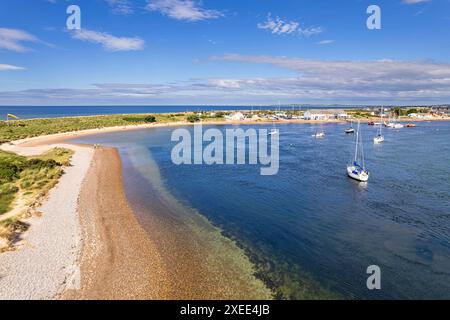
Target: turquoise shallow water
[{"x": 310, "y": 229}]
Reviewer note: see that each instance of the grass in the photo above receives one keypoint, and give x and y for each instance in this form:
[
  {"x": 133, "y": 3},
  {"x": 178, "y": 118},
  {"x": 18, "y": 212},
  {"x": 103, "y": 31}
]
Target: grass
[
  {"x": 21, "y": 129},
  {"x": 23, "y": 181},
  {"x": 29, "y": 178}
]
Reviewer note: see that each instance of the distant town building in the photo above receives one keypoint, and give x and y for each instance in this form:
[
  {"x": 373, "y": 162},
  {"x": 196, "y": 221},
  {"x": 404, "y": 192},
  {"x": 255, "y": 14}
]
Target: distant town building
[
  {"x": 237, "y": 116},
  {"x": 420, "y": 115}
]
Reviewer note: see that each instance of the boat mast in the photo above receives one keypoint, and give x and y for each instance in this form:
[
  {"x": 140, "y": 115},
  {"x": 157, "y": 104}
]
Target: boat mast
[
  {"x": 357, "y": 142},
  {"x": 362, "y": 152}
]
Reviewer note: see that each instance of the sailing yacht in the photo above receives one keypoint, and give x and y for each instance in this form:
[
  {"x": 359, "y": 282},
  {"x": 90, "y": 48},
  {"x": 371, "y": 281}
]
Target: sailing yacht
[
  {"x": 379, "y": 138},
  {"x": 351, "y": 129},
  {"x": 319, "y": 134},
  {"x": 274, "y": 130},
  {"x": 393, "y": 124},
  {"x": 357, "y": 170}
]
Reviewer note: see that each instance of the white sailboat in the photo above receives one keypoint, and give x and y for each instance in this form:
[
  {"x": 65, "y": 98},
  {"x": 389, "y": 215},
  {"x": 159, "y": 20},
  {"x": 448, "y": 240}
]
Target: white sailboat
[
  {"x": 357, "y": 170},
  {"x": 351, "y": 129},
  {"x": 393, "y": 124},
  {"x": 319, "y": 134},
  {"x": 274, "y": 131},
  {"x": 379, "y": 138}
]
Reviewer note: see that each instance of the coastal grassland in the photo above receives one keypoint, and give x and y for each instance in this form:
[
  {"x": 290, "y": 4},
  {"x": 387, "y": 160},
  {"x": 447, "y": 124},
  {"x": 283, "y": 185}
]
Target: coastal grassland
[
  {"x": 29, "y": 178},
  {"x": 25, "y": 180},
  {"x": 21, "y": 129}
]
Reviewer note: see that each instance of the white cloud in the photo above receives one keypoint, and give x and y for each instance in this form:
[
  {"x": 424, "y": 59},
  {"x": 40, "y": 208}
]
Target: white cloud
[
  {"x": 188, "y": 10},
  {"x": 108, "y": 41},
  {"x": 8, "y": 67},
  {"x": 12, "y": 39},
  {"x": 280, "y": 26},
  {"x": 324, "y": 42},
  {"x": 335, "y": 79},
  {"x": 120, "y": 6},
  {"x": 414, "y": 1},
  {"x": 386, "y": 82}
]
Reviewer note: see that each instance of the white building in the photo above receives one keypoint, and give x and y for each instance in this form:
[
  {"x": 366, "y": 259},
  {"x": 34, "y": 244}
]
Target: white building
[
  {"x": 420, "y": 115},
  {"x": 314, "y": 116},
  {"x": 342, "y": 115},
  {"x": 237, "y": 116}
]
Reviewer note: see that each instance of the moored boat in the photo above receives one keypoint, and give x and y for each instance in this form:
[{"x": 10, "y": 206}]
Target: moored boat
[
  {"x": 357, "y": 170},
  {"x": 349, "y": 130},
  {"x": 319, "y": 135},
  {"x": 379, "y": 138}
]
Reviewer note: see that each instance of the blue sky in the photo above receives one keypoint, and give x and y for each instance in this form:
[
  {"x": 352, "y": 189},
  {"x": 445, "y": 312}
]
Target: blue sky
[{"x": 191, "y": 52}]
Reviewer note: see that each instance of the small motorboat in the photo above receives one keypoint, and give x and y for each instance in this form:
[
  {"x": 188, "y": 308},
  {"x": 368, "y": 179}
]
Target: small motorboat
[{"x": 411, "y": 125}]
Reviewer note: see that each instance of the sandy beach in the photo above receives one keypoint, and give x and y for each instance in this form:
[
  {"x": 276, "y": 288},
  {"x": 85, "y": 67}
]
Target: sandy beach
[
  {"x": 88, "y": 243},
  {"x": 118, "y": 259}
]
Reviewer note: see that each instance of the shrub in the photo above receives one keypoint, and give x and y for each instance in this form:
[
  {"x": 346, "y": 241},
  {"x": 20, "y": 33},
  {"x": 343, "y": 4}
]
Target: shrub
[
  {"x": 193, "y": 118},
  {"x": 150, "y": 119},
  {"x": 8, "y": 171},
  {"x": 40, "y": 164}
]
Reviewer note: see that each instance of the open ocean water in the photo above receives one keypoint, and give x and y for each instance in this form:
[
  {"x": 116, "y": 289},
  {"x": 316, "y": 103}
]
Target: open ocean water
[
  {"x": 32, "y": 112},
  {"x": 311, "y": 231}
]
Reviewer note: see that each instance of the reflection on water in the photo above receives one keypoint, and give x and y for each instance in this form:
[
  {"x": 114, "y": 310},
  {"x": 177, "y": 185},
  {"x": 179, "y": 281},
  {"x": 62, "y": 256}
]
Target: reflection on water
[{"x": 311, "y": 230}]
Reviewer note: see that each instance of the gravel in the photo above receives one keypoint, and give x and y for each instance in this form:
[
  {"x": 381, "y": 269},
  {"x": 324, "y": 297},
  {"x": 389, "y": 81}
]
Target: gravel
[{"x": 46, "y": 261}]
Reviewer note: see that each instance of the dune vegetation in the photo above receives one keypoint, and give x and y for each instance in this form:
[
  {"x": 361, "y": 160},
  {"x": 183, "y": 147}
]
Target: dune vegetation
[
  {"x": 23, "y": 182},
  {"x": 21, "y": 129}
]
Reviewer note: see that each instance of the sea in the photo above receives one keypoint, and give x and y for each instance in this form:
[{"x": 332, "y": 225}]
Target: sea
[
  {"x": 32, "y": 112},
  {"x": 310, "y": 230}
]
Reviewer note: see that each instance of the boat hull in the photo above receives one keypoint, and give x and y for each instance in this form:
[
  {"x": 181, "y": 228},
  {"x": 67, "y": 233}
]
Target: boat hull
[
  {"x": 358, "y": 175},
  {"x": 378, "y": 140},
  {"x": 319, "y": 135}
]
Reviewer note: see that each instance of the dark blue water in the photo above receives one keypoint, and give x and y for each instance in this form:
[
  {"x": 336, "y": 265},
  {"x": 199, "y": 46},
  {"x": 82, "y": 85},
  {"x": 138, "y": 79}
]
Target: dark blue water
[
  {"x": 310, "y": 229},
  {"x": 31, "y": 112}
]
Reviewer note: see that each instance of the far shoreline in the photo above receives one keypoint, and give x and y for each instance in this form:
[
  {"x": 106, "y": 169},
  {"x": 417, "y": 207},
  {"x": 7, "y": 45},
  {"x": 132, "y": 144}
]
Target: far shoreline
[
  {"x": 35, "y": 144},
  {"x": 64, "y": 136}
]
